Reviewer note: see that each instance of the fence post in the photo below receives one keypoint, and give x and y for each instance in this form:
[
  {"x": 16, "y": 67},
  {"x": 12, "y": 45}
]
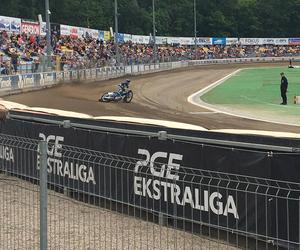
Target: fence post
[{"x": 43, "y": 194}]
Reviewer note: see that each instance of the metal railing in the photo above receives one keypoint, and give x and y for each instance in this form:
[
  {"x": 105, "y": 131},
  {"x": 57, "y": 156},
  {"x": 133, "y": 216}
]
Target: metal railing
[{"x": 100, "y": 200}]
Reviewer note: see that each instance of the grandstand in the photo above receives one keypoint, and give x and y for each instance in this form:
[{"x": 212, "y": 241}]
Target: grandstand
[{"x": 23, "y": 50}]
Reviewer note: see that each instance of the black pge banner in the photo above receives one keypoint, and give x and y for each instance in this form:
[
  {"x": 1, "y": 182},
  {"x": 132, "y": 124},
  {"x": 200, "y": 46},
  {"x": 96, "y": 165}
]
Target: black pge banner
[{"x": 208, "y": 184}]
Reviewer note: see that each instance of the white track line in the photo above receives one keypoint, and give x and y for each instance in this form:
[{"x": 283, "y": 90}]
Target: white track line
[
  {"x": 203, "y": 113},
  {"x": 195, "y": 100}
]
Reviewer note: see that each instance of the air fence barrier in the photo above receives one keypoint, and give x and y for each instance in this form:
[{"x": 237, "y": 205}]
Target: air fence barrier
[
  {"x": 117, "y": 187},
  {"x": 21, "y": 82}
]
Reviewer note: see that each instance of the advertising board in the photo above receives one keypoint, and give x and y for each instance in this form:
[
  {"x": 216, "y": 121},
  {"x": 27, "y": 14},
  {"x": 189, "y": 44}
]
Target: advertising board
[
  {"x": 250, "y": 41},
  {"x": 218, "y": 41},
  {"x": 107, "y": 35},
  {"x": 281, "y": 41},
  {"x": 187, "y": 40},
  {"x": 232, "y": 41},
  {"x": 204, "y": 40},
  {"x": 10, "y": 24},
  {"x": 127, "y": 37},
  {"x": 294, "y": 41},
  {"x": 66, "y": 30},
  {"x": 192, "y": 181},
  {"x": 121, "y": 38},
  {"x": 32, "y": 28}
]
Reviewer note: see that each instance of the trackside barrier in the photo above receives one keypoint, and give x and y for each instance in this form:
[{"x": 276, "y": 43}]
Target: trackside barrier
[
  {"x": 244, "y": 60},
  {"x": 239, "y": 194},
  {"x": 15, "y": 83}
]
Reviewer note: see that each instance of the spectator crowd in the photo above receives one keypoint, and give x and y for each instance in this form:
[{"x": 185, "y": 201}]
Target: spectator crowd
[{"x": 23, "y": 52}]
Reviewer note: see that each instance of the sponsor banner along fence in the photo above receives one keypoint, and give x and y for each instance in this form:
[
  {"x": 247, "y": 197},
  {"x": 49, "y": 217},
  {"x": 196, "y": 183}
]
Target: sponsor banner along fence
[{"x": 200, "y": 182}]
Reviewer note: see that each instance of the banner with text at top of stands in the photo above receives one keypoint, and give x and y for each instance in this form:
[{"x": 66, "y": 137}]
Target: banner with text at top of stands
[
  {"x": 294, "y": 41},
  {"x": 173, "y": 40},
  {"x": 265, "y": 41},
  {"x": 134, "y": 39},
  {"x": 29, "y": 27},
  {"x": 93, "y": 33},
  {"x": 250, "y": 41},
  {"x": 140, "y": 39},
  {"x": 187, "y": 40},
  {"x": 55, "y": 29},
  {"x": 73, "y": 31},
  {"x": 161, "y": 40},
  {"x": 204, "y": 40},
  {"x": 101, "y": 35},
  {"x": 145, "y": 39},
  {"x": 4, "y": 23},
  {"x": 81, "y": 32},
  {"x": 268, "y": 41},
  {"x": 66, "y": 30},
  {"x": 219, "y": 41},
  {"x": 43, "y": 29},
  {"x": 10, "y": 24},
  {"x": 85, "y": 32},
  {"x": 281, "y": 41},
  {"x": 231, "y": 40},
  {"x": 15, "y": 25},
  {"x": 127, "y": 37},
  {"x": 274, "y": 41},
  {"x": 106, "y": 36},
  {"x": 121, "y": 38}
]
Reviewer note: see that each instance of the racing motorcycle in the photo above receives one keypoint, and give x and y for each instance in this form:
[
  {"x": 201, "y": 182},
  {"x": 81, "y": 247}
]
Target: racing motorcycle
[{"x": 122, "y": 94}]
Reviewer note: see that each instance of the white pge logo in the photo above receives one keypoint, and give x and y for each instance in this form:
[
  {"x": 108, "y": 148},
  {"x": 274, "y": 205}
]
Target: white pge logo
[
  {"x": 169, "y": 170},
  {"x": 70, "y": 168}
]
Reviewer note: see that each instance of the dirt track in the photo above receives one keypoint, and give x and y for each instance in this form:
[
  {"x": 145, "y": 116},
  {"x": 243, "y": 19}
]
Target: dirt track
[{"x": 159, "y": 96}]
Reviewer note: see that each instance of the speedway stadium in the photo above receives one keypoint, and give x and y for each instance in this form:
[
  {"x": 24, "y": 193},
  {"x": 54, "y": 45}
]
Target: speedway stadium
[{"x": 222, "y": 154}]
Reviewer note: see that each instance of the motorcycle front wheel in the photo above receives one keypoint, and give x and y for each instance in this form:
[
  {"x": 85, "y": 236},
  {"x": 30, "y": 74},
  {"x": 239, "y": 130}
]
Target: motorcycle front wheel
[{"x": 128, "y": 96}]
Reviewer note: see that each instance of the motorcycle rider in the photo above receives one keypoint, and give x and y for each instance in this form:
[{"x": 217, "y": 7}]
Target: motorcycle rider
[
  {"x": 121, "y": 93},
  {"x": 124, "y": 85}
]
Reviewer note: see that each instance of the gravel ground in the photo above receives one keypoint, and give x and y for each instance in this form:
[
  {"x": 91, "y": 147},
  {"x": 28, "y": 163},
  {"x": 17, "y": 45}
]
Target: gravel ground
[{"x": 77, "y": 225}]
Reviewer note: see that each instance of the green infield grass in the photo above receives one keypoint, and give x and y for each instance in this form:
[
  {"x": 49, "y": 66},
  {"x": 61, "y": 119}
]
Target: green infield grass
[{"x": 257, "y": 92}]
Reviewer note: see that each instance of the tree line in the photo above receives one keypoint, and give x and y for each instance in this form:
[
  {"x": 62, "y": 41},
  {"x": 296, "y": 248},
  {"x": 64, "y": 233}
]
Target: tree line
[{"x": 219, "y": 18}]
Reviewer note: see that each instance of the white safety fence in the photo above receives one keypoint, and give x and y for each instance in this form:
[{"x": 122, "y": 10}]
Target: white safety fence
[{"x": 20, "y": 82}]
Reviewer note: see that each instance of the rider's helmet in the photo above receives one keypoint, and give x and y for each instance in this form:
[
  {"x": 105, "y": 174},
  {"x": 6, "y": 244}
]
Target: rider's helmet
[{"x": 126, "y": 83}]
